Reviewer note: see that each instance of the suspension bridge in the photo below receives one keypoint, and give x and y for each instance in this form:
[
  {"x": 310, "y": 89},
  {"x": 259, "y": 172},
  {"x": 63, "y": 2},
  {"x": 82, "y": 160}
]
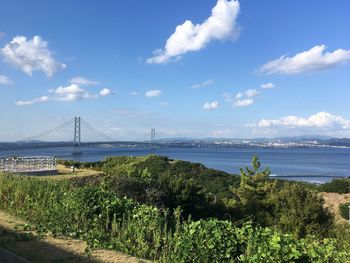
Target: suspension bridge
[
  {"x": 77, "y": 123},
  {"x": 40, "y": 165}
]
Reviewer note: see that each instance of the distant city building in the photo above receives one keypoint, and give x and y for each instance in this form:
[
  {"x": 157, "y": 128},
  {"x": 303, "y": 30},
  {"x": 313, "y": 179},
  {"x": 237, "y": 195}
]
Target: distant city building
[{"x": 33, "y": 165}]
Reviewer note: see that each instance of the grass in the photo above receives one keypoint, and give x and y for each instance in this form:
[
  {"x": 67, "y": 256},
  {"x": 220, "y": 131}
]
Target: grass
[
  {"x": 65, "y": 173},
  {"x": 332, "y": 202},
  {"x": 16, "y": 238}
]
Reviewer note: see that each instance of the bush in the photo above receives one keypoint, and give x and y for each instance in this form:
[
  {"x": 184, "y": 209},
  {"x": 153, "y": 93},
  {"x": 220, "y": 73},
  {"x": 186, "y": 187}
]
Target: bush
[
  {"x": 340, "y": 186},
  {"x": 106, "y": 221},
  {"x": 159, "y": 181},
  {"x": 344, "y": 210},
  {"x": 300, "y": 211}
]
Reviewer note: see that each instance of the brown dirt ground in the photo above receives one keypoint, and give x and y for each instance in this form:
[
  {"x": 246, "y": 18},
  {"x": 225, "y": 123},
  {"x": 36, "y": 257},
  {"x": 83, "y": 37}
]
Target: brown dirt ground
[
  {"x": 332, "y": 201},
  {"x": 35, "y": 248}
]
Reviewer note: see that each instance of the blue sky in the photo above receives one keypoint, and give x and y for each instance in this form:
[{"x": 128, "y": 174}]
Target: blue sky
[{"x": 187, "y": 68}]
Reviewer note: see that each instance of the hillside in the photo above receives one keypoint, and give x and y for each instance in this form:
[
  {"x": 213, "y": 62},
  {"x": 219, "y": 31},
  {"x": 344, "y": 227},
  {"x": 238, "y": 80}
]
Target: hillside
[{"x": 174, "y": 211}]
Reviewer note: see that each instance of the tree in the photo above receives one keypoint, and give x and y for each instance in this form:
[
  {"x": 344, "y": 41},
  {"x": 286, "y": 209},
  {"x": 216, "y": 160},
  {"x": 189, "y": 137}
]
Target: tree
[
  {"x": 300, "y": 211},
  {"x": 251, "y": 195}
]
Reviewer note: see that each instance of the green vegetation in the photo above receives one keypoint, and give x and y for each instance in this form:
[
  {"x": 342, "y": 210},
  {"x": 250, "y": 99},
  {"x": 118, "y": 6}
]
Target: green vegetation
[
  {"x": 175, "y": 211},
  {"x": 92, "y": 165},
  {"x": 344, "y": 210},
  {"x": 340, "y": 186}
]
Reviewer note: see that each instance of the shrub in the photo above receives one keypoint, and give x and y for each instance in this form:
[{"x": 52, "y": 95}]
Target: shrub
[
  {"x": 340, "y": 186},
  {"x": 344, "y": 210},
  {"x": 300, "y": 211},
  {"x": 106, "y": 221}
]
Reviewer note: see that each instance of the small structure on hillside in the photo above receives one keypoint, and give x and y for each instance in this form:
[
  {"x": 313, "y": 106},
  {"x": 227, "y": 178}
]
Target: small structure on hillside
[{"x": 32, "y": 165}]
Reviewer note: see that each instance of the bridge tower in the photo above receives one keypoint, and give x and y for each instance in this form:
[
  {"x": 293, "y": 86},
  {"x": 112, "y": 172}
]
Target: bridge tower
[
  {"x": 77, "y": 135},
  {"x": 153, "y": 135}
]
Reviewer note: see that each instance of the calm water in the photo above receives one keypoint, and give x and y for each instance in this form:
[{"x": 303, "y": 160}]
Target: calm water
[{"x": 322, "y": 164}]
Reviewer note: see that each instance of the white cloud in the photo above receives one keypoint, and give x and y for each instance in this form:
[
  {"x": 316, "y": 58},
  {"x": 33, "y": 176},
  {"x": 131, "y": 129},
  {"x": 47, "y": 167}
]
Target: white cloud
[
  {"x": 134, "y": 93},
  {"x": 243, "y": 102},
  {"x": 193, "y": 37},
  {"x": 203, "y": 84},
  {"x": 239, "y": 95},
  {"x": 31, "y": 55},
  {"x": 242, "y": 99},
  {"x": 105, "y": 92},
  {"x": 211, "y": 105},
  {"x": 72, "y": 92},
  {"x": 83, "y": 81},
  {"x": 29, "y": 102},
  {"x": 268, "y": 85},
  {"x": 311, "y": 60},
  {"x": 153, "y": 93},
  {"x": 251, "y": 93},
  {"x": 4, "y": 80},
  {"x": 321, "y": 120}
]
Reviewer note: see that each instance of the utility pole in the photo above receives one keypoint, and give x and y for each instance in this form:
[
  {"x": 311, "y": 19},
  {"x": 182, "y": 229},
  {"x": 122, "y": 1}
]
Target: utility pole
[{"x": 77, "y": 135}]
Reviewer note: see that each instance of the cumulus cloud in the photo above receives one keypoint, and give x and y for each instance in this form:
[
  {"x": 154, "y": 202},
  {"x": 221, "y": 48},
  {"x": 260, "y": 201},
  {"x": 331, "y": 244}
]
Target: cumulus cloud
[
  {"x": 311, "y": 60},
  {"x": 203, "y": 84},
  {"x": 83, "y": 81},
  {"x": 251, "y": 93},
  {"x": 268, "y": 85},
  {"x": 134, "y": 93},
  {"x": 105, "y": 92},
  {"x": 241, "y": 99},
  {"x": 239, "y": 95},
  {"x": 243, "y": 103},
  {"x": 153, "y": 93},
  {"x": 29, "y": 102},
  {"x": 321, "y": 120},
  {"x": 193, "y": 37},
  {"x": 4, "y": 80},
  {"x": 31, "y": 55},
  {"x": 211, "y": 105},
  {"x": 72, "y": 92}
]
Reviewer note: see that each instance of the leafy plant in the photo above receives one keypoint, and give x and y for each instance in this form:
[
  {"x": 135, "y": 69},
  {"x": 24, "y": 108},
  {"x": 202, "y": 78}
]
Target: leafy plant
[{"x": 344, "y": 210}]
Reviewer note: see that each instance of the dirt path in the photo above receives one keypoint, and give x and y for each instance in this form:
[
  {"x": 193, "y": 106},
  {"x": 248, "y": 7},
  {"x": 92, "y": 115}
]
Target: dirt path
[
  {"x": 8, "y": 257},
  {"x": 30, "y": 246},
  {"x": 332, "y": 201}
]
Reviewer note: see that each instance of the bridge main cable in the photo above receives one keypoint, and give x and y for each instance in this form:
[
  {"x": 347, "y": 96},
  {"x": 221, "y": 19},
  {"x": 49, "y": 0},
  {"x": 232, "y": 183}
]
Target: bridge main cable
[
  {"x": 49, "y": 131},
  {"x": 91, "y": 128}
]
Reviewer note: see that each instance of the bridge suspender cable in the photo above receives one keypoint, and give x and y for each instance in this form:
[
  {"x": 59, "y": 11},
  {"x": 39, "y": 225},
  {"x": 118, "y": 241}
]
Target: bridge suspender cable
[
  {"x": 74, "y": 122},
  {"x": 91, "y": 128},
  {"x": 49, "y": 131}
]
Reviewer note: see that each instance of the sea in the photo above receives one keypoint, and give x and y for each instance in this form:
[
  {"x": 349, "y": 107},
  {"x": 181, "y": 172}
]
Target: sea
[{"x": 315, "y": 165}]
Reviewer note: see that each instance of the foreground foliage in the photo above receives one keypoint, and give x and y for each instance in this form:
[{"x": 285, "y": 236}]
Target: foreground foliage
[
  {"x": 344, "y": 210},
  {"x": 340, "y": 186},
  {"x": 105, "y": 220}
]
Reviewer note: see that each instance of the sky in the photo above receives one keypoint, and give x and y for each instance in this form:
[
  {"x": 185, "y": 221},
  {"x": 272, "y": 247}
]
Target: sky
[{"x": 196, "y": 69}]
